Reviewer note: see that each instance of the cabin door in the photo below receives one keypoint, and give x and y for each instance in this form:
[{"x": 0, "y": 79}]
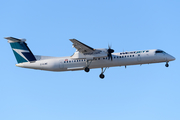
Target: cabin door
[
  {"x": 61, "y": 64},
  {"x": 139, "y": 58}
]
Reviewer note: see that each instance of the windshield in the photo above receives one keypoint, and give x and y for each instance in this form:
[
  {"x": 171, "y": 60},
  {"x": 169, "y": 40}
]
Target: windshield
[{"x": 160, "y": 51}]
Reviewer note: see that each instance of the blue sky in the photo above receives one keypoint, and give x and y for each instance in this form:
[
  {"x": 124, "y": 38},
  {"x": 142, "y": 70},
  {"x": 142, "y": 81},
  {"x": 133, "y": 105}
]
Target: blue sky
[{"x": 147, "y": 92}]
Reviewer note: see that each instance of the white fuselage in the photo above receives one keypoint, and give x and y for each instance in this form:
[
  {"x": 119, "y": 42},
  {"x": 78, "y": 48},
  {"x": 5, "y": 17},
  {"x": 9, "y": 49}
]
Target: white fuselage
[{"x": 119, "y": 59}]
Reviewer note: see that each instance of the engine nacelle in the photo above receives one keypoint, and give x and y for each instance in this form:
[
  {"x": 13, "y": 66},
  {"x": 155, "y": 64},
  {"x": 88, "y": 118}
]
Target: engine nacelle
[{"x": 95, "y": 54}]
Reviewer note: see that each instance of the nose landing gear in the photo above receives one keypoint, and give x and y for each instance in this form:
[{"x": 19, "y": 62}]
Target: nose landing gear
[{"x": 167, "y": 65}]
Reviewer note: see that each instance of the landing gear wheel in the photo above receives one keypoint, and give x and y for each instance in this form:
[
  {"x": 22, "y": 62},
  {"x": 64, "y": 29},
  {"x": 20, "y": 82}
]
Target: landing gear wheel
[
  {"x": 101, "y": 76},
  {"x": 167, "y": 65},
  {"x": 86, "y": 69}
]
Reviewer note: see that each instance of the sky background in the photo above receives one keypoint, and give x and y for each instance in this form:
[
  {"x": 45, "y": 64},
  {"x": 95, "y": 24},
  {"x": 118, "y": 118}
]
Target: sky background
[{"x": 147, "y": 92}]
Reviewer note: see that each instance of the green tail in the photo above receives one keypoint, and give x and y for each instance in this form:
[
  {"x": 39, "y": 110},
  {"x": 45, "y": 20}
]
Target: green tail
[{"x": 21, "y": 50}]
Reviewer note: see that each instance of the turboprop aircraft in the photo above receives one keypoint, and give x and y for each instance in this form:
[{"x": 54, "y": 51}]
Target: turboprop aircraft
[{"x": 85, "y": 58}]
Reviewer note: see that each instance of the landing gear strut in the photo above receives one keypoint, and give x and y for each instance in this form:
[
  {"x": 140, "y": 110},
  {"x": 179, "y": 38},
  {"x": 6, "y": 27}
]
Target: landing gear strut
[
  {"x": 167, "y": 65},
  {"x": 88, "y": 62},
  {"x": 102, "y": 73}
]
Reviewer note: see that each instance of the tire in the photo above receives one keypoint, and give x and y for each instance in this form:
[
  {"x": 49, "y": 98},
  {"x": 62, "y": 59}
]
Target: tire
[
  {"x": 167, "y": 65},
  {"x": 101, "y": 76},
  {"x": 86, "y": 69}
]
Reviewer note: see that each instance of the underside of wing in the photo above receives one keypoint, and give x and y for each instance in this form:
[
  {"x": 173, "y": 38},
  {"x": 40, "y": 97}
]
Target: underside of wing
[{"x": 81, "y": 47}]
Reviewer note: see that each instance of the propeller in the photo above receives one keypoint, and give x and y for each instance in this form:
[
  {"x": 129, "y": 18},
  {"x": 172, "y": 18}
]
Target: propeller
[{"x": 110, "y": 51}]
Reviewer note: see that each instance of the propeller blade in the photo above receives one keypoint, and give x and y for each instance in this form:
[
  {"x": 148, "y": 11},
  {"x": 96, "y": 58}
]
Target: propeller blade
[
  {"x": 110, "y": 51},
  {"x": 109, "y": 46}
]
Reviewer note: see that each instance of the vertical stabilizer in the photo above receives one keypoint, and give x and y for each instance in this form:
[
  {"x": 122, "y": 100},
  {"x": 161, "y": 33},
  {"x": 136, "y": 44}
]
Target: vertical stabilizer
[{"x": 21, "y": 50}]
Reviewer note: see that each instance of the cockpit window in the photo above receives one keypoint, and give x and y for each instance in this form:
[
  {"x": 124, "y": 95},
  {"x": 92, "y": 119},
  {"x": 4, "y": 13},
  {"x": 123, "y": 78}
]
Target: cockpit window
[{"x": 159, "y": 51}]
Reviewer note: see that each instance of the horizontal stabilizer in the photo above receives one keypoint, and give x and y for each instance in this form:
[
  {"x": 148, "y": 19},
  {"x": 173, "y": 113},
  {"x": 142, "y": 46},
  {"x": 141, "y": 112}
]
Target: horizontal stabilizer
[
  {"x": 12, "y": 39},
  {"x": 21, "y": 50}
]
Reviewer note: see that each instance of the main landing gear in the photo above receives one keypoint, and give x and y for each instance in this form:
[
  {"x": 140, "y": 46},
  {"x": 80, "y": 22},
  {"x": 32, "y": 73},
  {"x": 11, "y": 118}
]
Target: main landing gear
[
  {"x": 86, "y": 69},
  {"x": 102, "y": 73},
  {"x": 88, "y": 62},
  {"x": 167, "y": 65}
]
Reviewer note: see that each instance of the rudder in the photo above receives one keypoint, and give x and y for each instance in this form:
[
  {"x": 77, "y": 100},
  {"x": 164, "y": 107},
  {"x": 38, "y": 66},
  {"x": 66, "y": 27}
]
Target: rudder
[{"x": 21, "y": 50}]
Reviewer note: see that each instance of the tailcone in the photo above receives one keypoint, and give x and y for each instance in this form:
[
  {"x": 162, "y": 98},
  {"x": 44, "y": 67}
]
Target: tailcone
[{"x": 20, "y": 65}]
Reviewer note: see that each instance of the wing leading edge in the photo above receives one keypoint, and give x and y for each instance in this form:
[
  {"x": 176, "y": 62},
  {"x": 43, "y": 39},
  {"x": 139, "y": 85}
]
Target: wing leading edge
[{"x": 81, "y": 47}]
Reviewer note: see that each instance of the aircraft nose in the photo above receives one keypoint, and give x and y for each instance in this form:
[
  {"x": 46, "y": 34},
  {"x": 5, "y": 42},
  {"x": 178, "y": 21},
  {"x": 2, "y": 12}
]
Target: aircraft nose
[{"x": 171, "y": 58}]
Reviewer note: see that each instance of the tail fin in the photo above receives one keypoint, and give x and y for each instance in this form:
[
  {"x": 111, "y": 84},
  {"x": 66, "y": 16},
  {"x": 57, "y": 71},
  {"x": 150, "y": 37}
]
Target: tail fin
[{"x": 21, "y": 50}]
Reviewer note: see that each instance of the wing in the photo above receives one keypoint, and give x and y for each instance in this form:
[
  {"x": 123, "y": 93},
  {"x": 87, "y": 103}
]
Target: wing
[{"x": 81, "y": 47}]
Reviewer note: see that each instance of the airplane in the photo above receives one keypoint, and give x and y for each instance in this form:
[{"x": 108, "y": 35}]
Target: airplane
[{"x": 85, "y": 58}]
